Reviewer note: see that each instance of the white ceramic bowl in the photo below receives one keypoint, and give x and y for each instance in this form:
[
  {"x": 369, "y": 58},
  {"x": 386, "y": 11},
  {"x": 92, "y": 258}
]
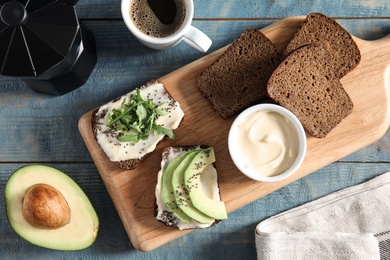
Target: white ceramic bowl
[{"x": 235, "y": 151}]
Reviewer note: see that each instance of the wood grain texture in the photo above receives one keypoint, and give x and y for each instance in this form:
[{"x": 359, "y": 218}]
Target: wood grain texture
[
  {"x": 44, "y": 128},
  {"x": 133, "y": 191},
  {"x": 252, "y": 9},
  {"x": 36, "y": 128},
  {"x": 231, "y": 239}
]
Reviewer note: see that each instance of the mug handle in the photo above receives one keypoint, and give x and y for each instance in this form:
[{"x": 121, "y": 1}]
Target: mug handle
[{"x": 197, "y": 39}]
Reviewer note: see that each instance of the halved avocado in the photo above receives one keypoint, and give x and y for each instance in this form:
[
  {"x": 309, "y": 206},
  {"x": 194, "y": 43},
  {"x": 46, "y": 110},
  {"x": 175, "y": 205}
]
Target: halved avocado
[{"x": 39, "y": 199}]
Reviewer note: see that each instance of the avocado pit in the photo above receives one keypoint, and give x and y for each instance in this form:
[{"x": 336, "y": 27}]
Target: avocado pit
[{"x": 45, "y": 207}]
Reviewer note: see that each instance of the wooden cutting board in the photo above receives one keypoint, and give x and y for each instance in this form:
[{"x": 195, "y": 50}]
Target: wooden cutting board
[{"x": 133, "y": 191}]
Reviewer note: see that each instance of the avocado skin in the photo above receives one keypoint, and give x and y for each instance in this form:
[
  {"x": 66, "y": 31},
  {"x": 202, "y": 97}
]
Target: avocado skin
[{"x": 82, "y": 230}]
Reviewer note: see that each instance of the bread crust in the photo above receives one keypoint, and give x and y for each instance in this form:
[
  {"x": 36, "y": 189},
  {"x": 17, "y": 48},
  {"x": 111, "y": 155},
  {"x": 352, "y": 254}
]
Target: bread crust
[
  {"x": 131, "y": 163},
  {"x": 305, "y": 83},
  {"x": 168, "y": 218},
  {"x": 238, "y": 78},
  {"x": 317, "y": 28}
]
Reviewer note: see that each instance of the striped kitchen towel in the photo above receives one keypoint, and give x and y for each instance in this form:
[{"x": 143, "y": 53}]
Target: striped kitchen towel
[{"x": 353, "y": 223}]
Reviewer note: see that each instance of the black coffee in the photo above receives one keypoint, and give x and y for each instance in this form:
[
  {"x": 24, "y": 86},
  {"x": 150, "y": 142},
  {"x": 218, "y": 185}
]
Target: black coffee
[
  {"x": 161, "y": 23},
  {"x": 165, "y": 10}
]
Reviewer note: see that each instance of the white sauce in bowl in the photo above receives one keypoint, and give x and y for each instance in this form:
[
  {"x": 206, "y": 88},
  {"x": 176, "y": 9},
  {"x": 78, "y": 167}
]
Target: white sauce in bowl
[{"x": 268, "y": 143}]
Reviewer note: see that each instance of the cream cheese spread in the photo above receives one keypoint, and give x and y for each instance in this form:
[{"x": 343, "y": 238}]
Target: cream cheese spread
[
  {"x": 268, "y": 143},
  {"x": 108, "y": 138},
  {"x": 209, "y": 184}
]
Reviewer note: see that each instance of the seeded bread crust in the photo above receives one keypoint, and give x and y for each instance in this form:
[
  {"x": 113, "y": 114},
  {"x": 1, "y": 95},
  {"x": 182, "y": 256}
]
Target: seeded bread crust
[
  {"x": 305, "y": 84},
  {"x": 130, "y": 163},
  {"x": 168, "y": 218},
  {"x": 238, "y": 78},
  {"x": 319, "y": 29}
]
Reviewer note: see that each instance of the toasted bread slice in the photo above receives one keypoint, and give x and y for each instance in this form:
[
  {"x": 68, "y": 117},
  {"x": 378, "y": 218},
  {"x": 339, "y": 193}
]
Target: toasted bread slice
[
  {"x": 209, "y": 176},
  {"x": 344, "y": 54},
  {"x": 238, "y": 78},
  {"x": 305, "y": 84},
  {"x": 127, "y": 155}
]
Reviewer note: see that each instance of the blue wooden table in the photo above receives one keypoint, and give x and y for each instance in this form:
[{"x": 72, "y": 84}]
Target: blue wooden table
[{"x": 42, "y": 129}]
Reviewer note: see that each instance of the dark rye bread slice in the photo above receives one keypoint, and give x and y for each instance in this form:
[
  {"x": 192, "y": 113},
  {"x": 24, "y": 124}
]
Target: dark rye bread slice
[
  {"x": 319, "y": 29},
  {"x": 130, "y": 163},
  {"x": 166, "y": 217},
  {"x": 305, "y": 84},
  {"x": 238, "y": 78}
]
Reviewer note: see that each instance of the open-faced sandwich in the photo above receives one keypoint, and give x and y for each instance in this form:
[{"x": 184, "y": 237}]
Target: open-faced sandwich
[
  {"x": 130, "y": 127},
  {"x": 187, "y": 191}
]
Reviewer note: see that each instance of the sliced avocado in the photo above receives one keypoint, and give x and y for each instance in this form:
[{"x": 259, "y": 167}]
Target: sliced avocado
[
  {"x": 23, "y": 193},
  {"x": 213, "y": 208},
  {"x": 181, "y": 193},
  {"x": 167, "y": 190}
]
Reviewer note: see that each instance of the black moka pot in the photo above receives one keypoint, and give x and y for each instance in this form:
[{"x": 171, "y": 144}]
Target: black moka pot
[{"x": 42, "y": 43}]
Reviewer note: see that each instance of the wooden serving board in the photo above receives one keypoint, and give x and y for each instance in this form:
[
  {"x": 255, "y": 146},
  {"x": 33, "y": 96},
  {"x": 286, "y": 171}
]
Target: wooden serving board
[{"x": 133, "y": 191}]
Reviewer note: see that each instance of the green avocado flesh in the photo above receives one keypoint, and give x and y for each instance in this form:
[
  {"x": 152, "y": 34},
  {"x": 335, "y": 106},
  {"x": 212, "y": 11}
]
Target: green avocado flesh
[
  {"x": 83, "y": 227},
  {"x": 167, "y": 191},
  {"x": 181, "y": 195},
  {"x": 181, "y": 198},
  {"x": 213, "y": 208}
]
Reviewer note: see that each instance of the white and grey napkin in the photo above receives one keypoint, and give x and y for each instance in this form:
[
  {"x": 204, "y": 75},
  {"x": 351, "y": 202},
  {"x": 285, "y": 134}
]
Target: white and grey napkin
[{"x": 353, "y": 223}]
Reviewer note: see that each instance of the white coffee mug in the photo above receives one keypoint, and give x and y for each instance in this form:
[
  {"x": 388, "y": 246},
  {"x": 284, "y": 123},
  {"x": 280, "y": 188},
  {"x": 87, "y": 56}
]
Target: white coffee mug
[{"x": 186, "y": 32}]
